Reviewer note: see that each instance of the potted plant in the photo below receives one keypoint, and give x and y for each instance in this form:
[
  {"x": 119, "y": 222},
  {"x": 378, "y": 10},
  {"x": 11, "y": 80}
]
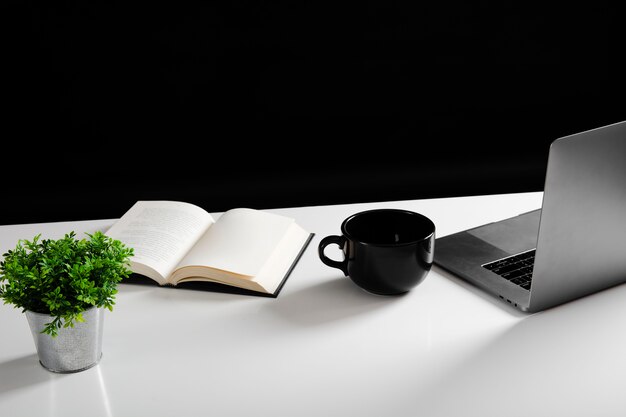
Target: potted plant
[{"x": 64, "y": 286}]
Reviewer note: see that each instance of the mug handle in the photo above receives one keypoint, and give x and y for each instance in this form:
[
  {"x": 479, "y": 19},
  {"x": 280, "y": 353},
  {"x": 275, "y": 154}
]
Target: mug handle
[{"x": 339, "y": 241}]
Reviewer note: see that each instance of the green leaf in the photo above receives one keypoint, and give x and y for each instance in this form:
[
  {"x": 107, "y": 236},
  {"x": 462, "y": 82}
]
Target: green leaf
[{"x": 63, "y": 277}]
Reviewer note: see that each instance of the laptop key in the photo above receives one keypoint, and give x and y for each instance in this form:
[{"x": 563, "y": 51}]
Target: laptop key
[
  {"x": 497, "y": 264},
  {"x": 526, "y": 255},
  {"x": 518, "y": 281},
  {"x": 513, "y": 274},
  {"x": 507, "y": 268},
  {"x": 516, "y": 269}
]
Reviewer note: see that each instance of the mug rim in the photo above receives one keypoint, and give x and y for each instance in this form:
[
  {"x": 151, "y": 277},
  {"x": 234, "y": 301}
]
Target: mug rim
[{"x": 432, "y": 227}]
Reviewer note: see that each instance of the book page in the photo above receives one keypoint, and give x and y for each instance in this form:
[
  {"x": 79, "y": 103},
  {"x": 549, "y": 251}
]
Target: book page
[
  {"x": 241, "y": 241},
  {"x": 273, "y": 272},
  {"x": 161, "y": 233}
]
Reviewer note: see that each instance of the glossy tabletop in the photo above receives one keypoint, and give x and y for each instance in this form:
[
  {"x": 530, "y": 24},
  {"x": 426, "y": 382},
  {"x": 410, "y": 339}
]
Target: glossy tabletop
[{"x": 324, "y": 347}]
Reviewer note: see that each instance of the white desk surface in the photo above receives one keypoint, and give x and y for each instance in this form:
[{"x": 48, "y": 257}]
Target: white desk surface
[{"x": 326, "y": 348}]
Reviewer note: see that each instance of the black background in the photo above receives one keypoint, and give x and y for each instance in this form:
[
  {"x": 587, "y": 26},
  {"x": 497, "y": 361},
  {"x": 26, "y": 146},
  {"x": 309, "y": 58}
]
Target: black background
[{"x": 278, "y": 104}]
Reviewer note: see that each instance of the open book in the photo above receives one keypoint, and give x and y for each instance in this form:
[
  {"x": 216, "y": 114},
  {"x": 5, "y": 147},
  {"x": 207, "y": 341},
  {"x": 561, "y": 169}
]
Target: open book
[{"x": 176, "y": 242}]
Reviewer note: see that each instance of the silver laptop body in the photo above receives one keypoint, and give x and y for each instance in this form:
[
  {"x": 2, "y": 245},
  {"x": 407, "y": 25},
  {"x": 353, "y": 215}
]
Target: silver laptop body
[{"x": 579, "y": 233}]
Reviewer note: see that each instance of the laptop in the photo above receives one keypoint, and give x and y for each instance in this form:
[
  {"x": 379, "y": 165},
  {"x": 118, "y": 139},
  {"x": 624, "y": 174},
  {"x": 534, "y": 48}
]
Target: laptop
[{"x": 573, "y": 246}]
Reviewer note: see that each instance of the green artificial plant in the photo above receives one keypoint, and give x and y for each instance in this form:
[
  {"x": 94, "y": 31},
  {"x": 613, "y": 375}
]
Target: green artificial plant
[{"x": 64, "y": 277}]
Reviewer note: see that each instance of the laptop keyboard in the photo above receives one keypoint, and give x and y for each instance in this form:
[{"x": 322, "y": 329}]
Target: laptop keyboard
[{"x": 518, "y": 269}]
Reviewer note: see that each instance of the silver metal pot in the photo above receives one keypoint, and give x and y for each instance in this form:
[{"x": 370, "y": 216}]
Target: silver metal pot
[{"x": 75, "y": 348}]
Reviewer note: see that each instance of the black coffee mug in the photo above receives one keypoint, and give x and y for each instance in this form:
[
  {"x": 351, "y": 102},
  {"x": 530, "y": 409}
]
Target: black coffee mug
[{"x": 386, "y": 251}]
